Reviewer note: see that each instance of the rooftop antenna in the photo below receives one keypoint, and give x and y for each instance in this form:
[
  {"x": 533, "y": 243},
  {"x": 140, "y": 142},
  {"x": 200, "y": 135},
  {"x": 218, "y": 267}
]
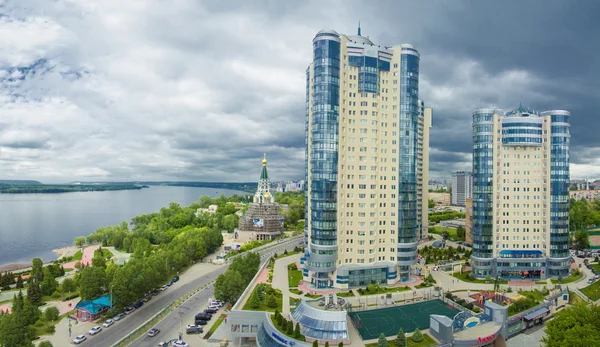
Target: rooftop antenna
[{"x": 358, "y": 28}]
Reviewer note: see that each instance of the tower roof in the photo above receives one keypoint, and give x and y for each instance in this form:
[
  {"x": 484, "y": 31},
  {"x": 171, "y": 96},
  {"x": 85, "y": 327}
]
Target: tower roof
[{"x": 263, "y": 174}]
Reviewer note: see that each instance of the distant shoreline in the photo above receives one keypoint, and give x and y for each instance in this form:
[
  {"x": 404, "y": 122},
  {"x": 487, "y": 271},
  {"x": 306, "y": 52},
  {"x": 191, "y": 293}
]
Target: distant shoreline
[
  {"x": 62, "y": 188},
  {"x": 20, "y": 267}
]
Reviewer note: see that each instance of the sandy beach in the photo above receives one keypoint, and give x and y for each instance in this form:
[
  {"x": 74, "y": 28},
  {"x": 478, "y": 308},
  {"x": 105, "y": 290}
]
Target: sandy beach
[
  {"x": 60, "y": 252},
  {"x": 66, "y": 251},
  {"x": 13, "y": 267}
]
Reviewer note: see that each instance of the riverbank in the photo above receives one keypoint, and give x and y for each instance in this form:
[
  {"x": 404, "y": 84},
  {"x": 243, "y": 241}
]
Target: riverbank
[{"x": 19, "y": 267}]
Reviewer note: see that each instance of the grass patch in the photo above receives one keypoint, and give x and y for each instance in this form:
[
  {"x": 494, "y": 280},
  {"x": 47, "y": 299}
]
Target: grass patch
[
  {"x": 42, "y": 327},
  {"x": 313, "y": 296},
  {"x": 347, "y": 294},
  {"x": 294, "y": 301},
  {"x": 78, "y": 255},
  {"x": 451, "y": 232},
  {"x": 217, "y": 323},
  {"x": 592, "y": 291},
  {"x": 427, "y": 342},
  {"x": 294, "y": 276},
  {"x": 106, "y": 253},
  {"x": 541, "y": 282},
  {"x": 464, "y": 276},
  {"x": 534, "y": 294},
  {"x": 296, "y": 291},
  {"x": 263, "y": 292},
  {"x": 570, "y": 279},
  {"x": 289, "y": 254},
  {"x": 596, "y": 267},
  {"x": 575, "y": 299}
]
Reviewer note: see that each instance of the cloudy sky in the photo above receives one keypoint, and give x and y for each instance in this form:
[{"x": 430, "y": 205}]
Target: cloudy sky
[{"x": 198, "y": 90}]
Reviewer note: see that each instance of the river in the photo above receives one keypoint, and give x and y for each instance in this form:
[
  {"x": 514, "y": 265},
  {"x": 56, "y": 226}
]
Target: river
[{"x": 32, "y": 225}]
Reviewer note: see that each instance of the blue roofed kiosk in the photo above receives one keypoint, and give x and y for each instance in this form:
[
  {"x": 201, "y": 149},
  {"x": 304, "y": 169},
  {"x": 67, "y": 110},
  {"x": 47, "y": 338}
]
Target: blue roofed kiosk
[{"x": 90, "y": 310}]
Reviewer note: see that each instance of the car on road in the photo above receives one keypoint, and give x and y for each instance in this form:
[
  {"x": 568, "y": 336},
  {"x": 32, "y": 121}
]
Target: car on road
[
  {"x": 216, "y": 303},
  {"x": 214, "y": 307},
  {"x": 175, "y": 279},
  {"x": 95, "y": 330},
  {"x": 200, "y": 322},
  {"x": 591, "y": 280},
  {"x": 180, "y": 343},
  {"x": 138, "y": 304},
  {"x": 119, "y": 317},
  {"x": 170, "y": 283},
  {"x": 128, "y": 310},
  {"x": 193, "y": 329},
  {"x": 79, "y": 339},
  {"x": 153, "y": 332},
  {"x": 211, "y": 309},
  {"x": 163, "y": 344},
  {"x": 108, "y": 323},
  {"x": 155, "y": 292},
  {"x": 163, "y": 288}
]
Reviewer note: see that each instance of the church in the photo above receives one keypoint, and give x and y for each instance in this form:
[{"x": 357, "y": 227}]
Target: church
[{"x": 262, "y": 220}]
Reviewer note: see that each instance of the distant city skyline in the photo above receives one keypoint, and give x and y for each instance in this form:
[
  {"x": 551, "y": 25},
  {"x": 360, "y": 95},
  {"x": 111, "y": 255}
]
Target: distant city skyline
[{"x": 198, "y": 91}]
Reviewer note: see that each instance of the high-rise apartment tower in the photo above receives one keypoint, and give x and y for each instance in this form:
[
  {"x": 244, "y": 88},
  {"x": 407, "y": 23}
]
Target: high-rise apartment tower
[
  {"x": 520, "y": 220},
  {"x": 461, "y": 187},
  {"x": 366, "y": 162}
]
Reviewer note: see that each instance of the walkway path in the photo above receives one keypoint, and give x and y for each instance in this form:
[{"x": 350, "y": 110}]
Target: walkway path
[{"x": 280, "y": 279}]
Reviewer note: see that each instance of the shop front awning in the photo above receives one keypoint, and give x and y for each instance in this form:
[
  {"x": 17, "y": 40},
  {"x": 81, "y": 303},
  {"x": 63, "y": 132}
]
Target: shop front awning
[{"x": 536, "y": 314}]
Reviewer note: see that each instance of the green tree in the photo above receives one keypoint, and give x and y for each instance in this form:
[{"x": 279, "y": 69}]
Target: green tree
[
  {"x": 430, "y": 204},
  {"x": 460, "y": 232},
  {"x": 255, "y": 300},
  {"x": 18, "y": 303},
  {"x": 315, "y": 343},
  {"x": 20, "y": 282},
  {"x": 297, "y": 332},
  {"x": 14, "y": 333},
  {"x": 34, "y": 293},
  {"x": 229, "y": 286},
  {"x": 68, "y": 285},
  {"x": 79, "y": 241},
  {"x": 381, "y": 341},
  {"x": 51, "y": 314},
  {"x": 37, "y": 269},
  {"x": 341, "y": 344},
  {"x": 247, "y": 266},
  {"x": 92, "y": 282},
  {"x": 582, "y": 239},
  {"x": 49, "y": 284},
  {"x": 272, "y": 302},
  {"x": 401, "y": 339},
  {"x": 430, "y": 278},
  {"x": 45, "y": 344},
  {"x": 230, "y": 222},
  {"x": 290, "y": 328},
  {"x": 417, "y": 335},
  {"x": 445, "y": 234},
  {"x": 326, "y": 343},
  {"x": 577, "y": 325}
]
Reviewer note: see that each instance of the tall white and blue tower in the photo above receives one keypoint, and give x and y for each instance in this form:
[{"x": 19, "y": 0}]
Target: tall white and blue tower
[
  {"x": 520, "y": 219},
  {"x": 365, "y": 155}
]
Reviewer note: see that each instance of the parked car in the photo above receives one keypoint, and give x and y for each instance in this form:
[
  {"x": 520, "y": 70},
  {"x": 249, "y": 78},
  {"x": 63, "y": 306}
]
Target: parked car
[
  {"x": 108, "y": 323},
  {"x": 211, "y": 310},
  {"x": 591, "y": 280},
  {"x": 155, "y": 292},
  {"x": 170, "y": 283},
  {"x": 216, "y": 303},
  {"x": 138, "y": 304},
  {"x": 200, "y": 322},
  {"x": 204, "y": 316},
  {"x": 128, "y": 310},
  {"x": 95, "y": 330},
  {"x": 163, "y": 344},
  {"x": 193, "y": 329},
  {"x": 213, "y": 307},
  {"x": 180, "y": 343},
  {"x": 79, "y": 339},
  {"x": 119, "y": 317},
  {"x": 153, "y": 332},
  {"x": 163, "y": 288},
  {"x": 175, "y": 279}
]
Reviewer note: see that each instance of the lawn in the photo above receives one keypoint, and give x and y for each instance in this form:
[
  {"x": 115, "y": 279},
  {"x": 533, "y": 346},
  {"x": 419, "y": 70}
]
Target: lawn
[
  {"x": 451, "y": 232},
  {"x": 294, "y": 277},
  {"x": 574, "y": 299},
  {"x": 106, "y": 253},
  {"x": 42, "y": 327},
  {"x": 464, "y": 276},
  {"x": 272, "y": 318},
  {"x": 313, "y": 296},
  {"x": 262, "y": 304},
  {"x": 596, "y": 266},
  {"x": 296, "y": 291},
  {"x": 347, "y": 294},
  {"x": 592, "y": 291},
  {"x": 569, "y": 279},
  {"x": 294, "y": 301},
  {"x": 427, "y": 342},
  {"x": 78, "y": 255},
  {"x": 382, "y": 290},
  {"x": 534, "y": 294},
  {"x": 217, "y": 323}
]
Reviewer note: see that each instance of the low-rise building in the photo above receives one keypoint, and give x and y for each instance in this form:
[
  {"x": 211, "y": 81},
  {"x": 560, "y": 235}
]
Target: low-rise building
[
  {"x": 440, "y": 199},
  {"x": 591, "y": 194}
]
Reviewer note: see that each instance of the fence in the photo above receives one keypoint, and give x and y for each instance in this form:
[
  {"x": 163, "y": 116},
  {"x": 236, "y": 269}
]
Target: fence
[{"x": 374, "y": 302}]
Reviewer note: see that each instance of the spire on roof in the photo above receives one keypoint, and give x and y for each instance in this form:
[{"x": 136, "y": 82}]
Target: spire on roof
[
  {"x": 358, "y": 28},
  {"x": 263, "y": 174}
]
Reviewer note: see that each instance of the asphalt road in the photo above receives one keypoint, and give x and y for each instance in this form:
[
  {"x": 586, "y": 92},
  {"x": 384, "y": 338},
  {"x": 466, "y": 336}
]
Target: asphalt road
[
  {"x": 177, "y": 320},
  {"x": 120, "y": 329}
]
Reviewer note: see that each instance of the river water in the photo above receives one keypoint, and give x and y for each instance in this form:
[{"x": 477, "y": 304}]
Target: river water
[{"x": 32, "y": 225}]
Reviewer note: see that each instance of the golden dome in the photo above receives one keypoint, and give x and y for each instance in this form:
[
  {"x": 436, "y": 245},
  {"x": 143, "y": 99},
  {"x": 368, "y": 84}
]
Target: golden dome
[
  {"x": 267, "y": 195},
  {"x": 264, "y": 162}
]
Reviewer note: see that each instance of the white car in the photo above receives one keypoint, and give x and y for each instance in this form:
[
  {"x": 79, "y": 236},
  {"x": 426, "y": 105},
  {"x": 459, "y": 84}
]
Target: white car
[
  {"x": 163, "y": 288},
  {"x": 95, "y": 330},
  {"x": 79, "y": 339},
  {"x": 108, "y": 323},
  {"x": 180, "y": 343}
]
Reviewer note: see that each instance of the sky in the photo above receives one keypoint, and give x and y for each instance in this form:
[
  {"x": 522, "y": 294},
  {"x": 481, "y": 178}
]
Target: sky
[{"x": 191, "y": 90}]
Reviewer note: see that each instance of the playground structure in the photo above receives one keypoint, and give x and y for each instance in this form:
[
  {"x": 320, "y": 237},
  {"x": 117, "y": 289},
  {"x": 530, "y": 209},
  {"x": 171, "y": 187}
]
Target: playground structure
[{"x": 499, "y": 298}]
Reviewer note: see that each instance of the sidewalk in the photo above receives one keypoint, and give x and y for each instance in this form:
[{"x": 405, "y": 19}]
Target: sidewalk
[{"x": 280, "y": 279}]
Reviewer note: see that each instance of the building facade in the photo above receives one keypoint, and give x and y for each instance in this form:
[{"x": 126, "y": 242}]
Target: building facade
[
  {"x": 440, "y": 199},
  {"x": 468, "y": 214},
  {"x": 585, "y": 194},
  {"x": 461, "y": 187},
  {"x": 362, "y": 162},
  {"x": 425, "y": 119},
  {"x": 262, "y": 220},
  {"x": 520, "y": 219}
]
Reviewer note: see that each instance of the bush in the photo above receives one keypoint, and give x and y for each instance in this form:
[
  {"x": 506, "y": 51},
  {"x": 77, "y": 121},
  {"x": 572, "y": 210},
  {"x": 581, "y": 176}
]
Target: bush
[
  {"x": 50, "y": 329},
  {"x": 476, "y": 309},
  {"x": 45, "y": 344},
  {"x": 315, "y": 343},
  {"x": 449, "y": 296},
  {"x": 51, "y": 314},
  {"x": 417, "y": 336},
  {"x": 272, "y": 302},
  {"x": 401, "y": 339}
]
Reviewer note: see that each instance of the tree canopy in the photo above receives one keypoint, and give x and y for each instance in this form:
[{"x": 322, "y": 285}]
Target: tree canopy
[
  {"x": 576, "y": 325},
  {"x": 231, "y": 284}
]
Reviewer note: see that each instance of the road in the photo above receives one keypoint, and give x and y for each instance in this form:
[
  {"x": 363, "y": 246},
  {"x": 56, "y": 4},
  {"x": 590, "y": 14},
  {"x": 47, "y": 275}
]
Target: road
[
  {"x": 187, "y": 284},
  {"x": 177, "y": 320}
]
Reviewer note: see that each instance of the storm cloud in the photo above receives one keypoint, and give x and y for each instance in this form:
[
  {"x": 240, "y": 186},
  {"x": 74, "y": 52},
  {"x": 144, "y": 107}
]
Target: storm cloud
[{"x": 199, "y": 90}]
